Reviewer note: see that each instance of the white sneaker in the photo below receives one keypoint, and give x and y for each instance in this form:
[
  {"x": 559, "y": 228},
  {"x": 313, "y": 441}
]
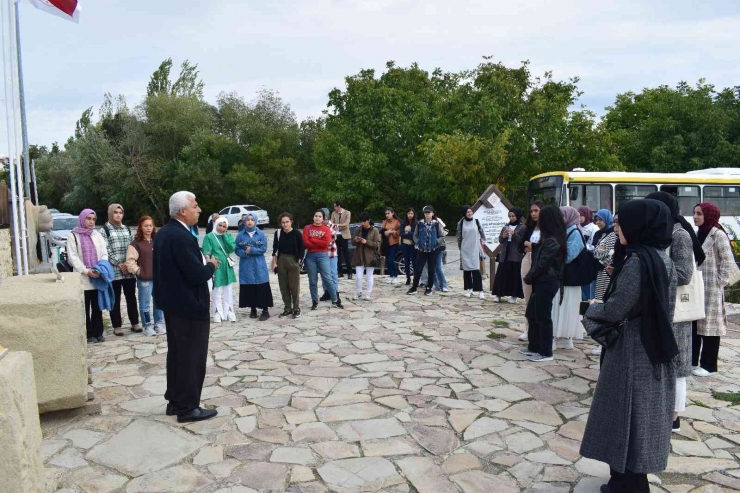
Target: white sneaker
[
  {"x": 524, "y": 337},
  {"x": 482, "y": 296},
  {"x": 358, "y": 296},
  {"x": 565, "y": 344},
  {"x": 701, "y": 372},
  {"x": 396, "y": 281},
  {"x": 495, "y": 299},
  {"x": 366, "y": 297},
  {"x": 389, "y": 280},
  {"x": 231, "y": 316},
  {"x": 216, "y": 318},
  {"x": 538, "y": 357},
  {"x": 468, "y": 293},
  {"x": 596, "y": 351},
  {"x": 445, "y": 290},
  {"x": 149, "y": 331},
  {"x": 512, "y": 300},
  {"x": 160, "y": 329}
]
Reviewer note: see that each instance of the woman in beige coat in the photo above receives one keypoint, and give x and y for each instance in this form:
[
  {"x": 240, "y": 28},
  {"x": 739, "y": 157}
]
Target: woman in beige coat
[{"x": 367, "y": 244}]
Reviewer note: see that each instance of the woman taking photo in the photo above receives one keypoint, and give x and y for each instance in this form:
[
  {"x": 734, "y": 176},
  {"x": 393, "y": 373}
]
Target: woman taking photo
[
  {"x": 287, "y": 255},
  {"x": 531, "y": 238},
  {"x": 220, "y": 244},
  {"x": 508, "y": 280},
  {"x": 391, "y": 236},
  {"x": 717, "y": 269},
  {"x": 367, "y": 244},
  {"x": 629, "y": 426},
  {"x": 85, "y": 248},
  {"x": 685, "y": 247},
  {"x": 604, "y": 239},
  {"x": 545, "y": 277},
  {"x": 428, "y": 237},
  {"x": 254, "y": 281},
  {"x": 470, "y": 235},
  {"x": 316, "y": 238},
  {"x": 139, "y": 261},
  {"x": 407, "y": 242},
  {"x": 565, "y": 316}
]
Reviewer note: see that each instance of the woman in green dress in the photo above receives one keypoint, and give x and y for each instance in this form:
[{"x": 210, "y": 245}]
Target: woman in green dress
[{"x": 220, "y": 244}]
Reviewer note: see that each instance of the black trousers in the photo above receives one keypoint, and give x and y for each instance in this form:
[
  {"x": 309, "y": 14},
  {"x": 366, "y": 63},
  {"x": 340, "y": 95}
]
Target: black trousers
[
  {"x": 343, "y": 255},
  {"x": 539, "y": 316},
  {"x": 704, "y": 350},
  {"x": 129, "y": 290},
  {"x": 93, "y": 314},
  {"x": 472, "y": 279},
  {"x": 187, "y": 353},
  {"x": 628, "y": 482},
  {"x": 430, "y": 258}
]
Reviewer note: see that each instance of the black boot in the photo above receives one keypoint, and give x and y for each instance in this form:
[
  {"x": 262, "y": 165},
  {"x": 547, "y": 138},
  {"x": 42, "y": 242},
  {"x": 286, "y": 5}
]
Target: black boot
[
  {"x": 339, "y": 300},
  {"x": 325, "y": 296},
  {"x": 253, "y": 313},
  {"x": 349, "y": 276},
  {"x": 265, "y": 315},
  {"x": 408, "y": 281},
  {"x": 314, "y": 305}
]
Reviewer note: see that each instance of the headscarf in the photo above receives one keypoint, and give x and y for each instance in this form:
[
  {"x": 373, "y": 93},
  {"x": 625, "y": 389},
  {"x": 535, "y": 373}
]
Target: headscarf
[
  {"x": 221, "y": 219},
  {"x": 711, "y": 220},
  {"x": 606, "y": 216},
  {"x": 88, "y": 253},
  {"x": 326, "y": 213},
  {"x": 648, "y": 227},
  {"x": 673, "y": 206},
  {"x": 253, "y": 229},
  {"x": 571, "y": 216},
  {"x": 588, "y": 216},
  {"x": 518, "y": 213},
  {"x": 465, "y": 210},
  {"x": 111, "y": 209}
]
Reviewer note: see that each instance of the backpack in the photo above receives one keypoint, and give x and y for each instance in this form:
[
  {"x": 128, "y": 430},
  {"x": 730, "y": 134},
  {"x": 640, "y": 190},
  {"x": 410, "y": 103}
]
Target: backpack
[{"x": 581, "y": 271}]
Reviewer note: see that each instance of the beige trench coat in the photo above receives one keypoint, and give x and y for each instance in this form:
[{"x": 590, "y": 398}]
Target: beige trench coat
[{"x": 717, "y": 270}]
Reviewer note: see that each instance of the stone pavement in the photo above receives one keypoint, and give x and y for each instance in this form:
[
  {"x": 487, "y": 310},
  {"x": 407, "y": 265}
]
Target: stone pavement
[{"x": 400, "y": 394}]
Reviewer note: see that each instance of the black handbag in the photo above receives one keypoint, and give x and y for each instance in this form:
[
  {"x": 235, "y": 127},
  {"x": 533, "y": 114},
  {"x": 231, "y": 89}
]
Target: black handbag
[
  {"x": 63, "y": 265},
  {"x": 581, "y": 271},
  {"x": 606, "y": 335}
]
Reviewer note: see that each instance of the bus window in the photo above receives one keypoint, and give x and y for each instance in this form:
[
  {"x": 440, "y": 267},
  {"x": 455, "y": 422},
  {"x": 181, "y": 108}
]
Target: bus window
[
  {"x": 687, "y": 195},
  {"x": 726, "y": 198},
  {"x": 548, "y": 189},
  {"x": 625, "y": 193},
  {"x": 594, "y": 197}
]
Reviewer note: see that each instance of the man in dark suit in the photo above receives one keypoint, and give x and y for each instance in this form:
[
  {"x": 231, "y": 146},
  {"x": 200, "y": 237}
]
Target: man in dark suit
[{"x": 181, "y": 292}]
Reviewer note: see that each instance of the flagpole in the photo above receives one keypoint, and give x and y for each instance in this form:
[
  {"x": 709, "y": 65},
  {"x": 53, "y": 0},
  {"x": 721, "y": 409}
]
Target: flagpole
[{"x": 22, "y": 93}]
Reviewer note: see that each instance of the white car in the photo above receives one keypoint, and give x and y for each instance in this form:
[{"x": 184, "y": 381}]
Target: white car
[{"x": 234, "y": 214}]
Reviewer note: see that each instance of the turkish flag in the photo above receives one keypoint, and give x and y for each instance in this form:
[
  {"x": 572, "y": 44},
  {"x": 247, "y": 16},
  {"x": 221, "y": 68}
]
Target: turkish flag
[{"x": 66, "y": 9}]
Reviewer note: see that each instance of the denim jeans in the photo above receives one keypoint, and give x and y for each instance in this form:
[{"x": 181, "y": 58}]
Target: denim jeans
[
  {"x": 334, "y": 264},
  {"x": 440, "y": 281},
  {"x": 318, "y": 263},
  {"x": 409, "y": 258},
  {"x": 146, "y": 302},
  {"x": 390, "y": 261}
]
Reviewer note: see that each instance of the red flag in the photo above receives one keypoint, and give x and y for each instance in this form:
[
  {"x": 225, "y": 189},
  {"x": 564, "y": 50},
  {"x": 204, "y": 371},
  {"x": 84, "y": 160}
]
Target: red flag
[{"x": 66, "y": 9}]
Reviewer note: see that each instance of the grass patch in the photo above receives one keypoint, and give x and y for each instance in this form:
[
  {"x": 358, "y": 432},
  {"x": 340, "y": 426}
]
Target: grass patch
[
  {"x": 701, "y": 404},
  {"x": 422, "y": 335},
  {"x": 501, "y": 323},
  {"x": 733, "y": 397},
  {"x": 495, "y": 335}
]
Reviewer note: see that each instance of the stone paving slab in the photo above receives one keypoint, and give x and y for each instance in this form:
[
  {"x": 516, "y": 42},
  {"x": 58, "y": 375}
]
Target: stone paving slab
[{"x": 399, "y": 394}]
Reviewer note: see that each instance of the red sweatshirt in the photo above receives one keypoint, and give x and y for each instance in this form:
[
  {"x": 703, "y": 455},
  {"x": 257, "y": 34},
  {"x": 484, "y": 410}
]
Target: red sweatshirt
[{"x": 317, "y": 238}]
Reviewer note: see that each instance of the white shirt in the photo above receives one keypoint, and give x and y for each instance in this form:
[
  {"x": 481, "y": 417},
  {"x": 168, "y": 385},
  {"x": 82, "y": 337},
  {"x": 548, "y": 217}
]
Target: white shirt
[{"x": 535, "y": 237}]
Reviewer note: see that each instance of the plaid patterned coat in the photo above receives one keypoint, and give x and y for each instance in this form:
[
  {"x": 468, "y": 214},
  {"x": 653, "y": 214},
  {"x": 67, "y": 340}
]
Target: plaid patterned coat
[
  {"x": 117, "y": 241},
  {"x": 717, "y": 270}
]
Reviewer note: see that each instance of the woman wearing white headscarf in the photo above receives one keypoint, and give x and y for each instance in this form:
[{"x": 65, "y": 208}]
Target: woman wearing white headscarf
[
  {"x": 220, "y": 244},
  {"x": 565, "y": 318}
]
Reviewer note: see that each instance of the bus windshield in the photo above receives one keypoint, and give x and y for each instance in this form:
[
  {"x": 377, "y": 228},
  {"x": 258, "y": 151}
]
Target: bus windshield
[{"x": 548, "y": 189}]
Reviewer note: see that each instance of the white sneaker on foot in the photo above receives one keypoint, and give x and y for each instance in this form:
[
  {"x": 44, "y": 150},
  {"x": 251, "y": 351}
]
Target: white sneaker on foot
[
  {"x": 701, "y": 372},
  {"x": 216, "y": 318},
  {"x": 388, "y": 280},
  {"x": 396, "y": 281},
  {"x": 231, "y": 316},
  {"x": 468, "y": 293},
  {"x": 538, "y": 357},
  {"x": 482, "y": 296},
  {"x": 160, "y": 329},
  {"x": 565, "y": 344},
  {"x": 149, "y": 331},
  {"x": 524, "y": 337},
  {"x": 495, "y": 299},
  {"x": 358, "y": 296},
  {"x": 366, "y": 297},
  {"x": 512, "y": 299},
  {"x": 445, "y": 290},
  {"x": 596, "y": 351}
]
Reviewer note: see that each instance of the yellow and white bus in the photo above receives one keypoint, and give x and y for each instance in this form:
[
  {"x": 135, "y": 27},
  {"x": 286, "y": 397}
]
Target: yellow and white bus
[{"x": 608, "y": 190}]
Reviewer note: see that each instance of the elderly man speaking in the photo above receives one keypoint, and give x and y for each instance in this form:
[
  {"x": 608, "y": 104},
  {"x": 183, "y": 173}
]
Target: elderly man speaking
[{"x": 181, "y": 291}]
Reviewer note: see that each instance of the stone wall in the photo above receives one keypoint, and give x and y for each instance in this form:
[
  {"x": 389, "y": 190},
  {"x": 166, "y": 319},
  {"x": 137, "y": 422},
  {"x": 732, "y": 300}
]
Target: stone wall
[
  {"x": 21, "y": 468},
  {"x": 47, "y": 319},
  {"x": 6, "y": 254}
]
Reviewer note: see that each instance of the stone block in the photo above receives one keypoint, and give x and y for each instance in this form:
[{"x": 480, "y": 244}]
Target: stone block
[
  {"x": 47, "y": 319},
  {"x": 21, "y": 468}
]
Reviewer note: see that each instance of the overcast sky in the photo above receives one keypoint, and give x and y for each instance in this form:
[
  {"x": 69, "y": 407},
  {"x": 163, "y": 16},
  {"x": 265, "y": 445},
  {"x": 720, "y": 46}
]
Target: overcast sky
[{"x": 303, "y": 49}]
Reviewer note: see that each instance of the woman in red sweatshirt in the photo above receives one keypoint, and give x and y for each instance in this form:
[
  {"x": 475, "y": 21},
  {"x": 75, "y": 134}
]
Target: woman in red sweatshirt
[{"x": 316, "y": 239}]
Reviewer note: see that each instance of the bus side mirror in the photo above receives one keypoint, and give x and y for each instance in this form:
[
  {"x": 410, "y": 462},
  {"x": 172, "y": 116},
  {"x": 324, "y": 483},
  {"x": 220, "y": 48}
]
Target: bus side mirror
[{"x": 573, "y": 194}]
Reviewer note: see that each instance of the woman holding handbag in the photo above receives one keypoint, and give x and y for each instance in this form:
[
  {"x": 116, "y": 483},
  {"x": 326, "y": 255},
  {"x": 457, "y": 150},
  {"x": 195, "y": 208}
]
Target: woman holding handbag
[
  {"x": 220, "y": 244},
  {"x": 254, "y": 280},
  {"x": 719, "y": 271},
  {"x": 367, "y": 245},
  {"x": 685, "y": 252},
  {"x": 628, "y": 426}
]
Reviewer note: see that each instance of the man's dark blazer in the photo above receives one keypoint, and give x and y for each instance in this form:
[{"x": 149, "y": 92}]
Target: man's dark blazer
[{"x": 180, "y": 278}]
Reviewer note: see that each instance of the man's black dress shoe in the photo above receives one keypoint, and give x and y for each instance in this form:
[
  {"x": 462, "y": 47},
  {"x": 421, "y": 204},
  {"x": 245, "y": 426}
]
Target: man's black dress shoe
[{"x": 197, "y": 414}]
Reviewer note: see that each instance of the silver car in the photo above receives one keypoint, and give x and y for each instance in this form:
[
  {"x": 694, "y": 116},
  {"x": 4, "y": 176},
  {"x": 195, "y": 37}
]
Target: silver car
[{"x": 234, "y": 214}]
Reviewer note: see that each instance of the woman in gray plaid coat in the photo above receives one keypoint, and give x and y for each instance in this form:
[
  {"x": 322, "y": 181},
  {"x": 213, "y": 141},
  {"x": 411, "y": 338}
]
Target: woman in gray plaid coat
[{"x": 629, "y": 425}]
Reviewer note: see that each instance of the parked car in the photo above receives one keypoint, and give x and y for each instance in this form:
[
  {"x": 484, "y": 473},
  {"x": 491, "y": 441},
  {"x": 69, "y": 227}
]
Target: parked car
[
  {"x": 234, "y": 214},
  {"x": 56, "y": 239}
]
